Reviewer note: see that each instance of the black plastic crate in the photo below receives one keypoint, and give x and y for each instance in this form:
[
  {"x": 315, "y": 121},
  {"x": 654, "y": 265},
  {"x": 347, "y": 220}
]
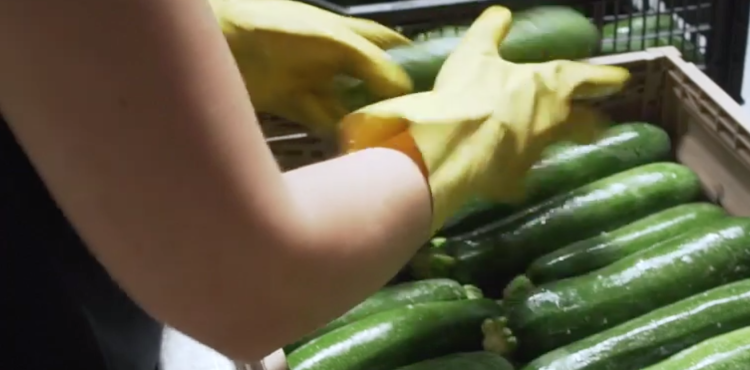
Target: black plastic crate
[{"x": 712, "y": 34}]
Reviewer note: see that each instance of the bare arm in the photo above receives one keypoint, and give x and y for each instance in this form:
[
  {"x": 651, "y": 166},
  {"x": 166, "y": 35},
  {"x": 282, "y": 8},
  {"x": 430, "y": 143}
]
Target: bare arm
[{"x": 135, "y": 116}]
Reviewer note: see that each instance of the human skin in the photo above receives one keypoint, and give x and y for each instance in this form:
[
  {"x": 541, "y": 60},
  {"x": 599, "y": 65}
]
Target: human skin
[{"x": 136, "y": 118}]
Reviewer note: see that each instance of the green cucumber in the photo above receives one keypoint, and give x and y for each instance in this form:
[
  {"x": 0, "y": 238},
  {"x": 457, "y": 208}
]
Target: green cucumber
[
  {"x": 601, "y": 250},
  {"x": 563, "y": 311},
  {"x": 621, "y": 147},
  {"x": 538, "y": 34},
  {"x": 481, "y": 360},
  {"x": 636, "y": 33},
  {"x": 565, "y": 166},
  {"x": 690, "y": 52},
  {"x": 646, "y": 32},
  {"x": 545, "y": 33},
  {"x": 399, "y": 337},
  {"x": 636, "y": 25},
  {"x": 501, "y": 250},
  {"x": 730, "y": 351},
  {"x": 475, "y": 213},
  {"x": 441, "y": 33},
  {"x": 432, "y": 290},
  {"x": 656, "y": 335}
]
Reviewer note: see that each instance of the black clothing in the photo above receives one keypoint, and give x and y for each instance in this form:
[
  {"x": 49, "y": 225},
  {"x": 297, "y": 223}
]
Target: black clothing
[{"x": 60, "y": 309}]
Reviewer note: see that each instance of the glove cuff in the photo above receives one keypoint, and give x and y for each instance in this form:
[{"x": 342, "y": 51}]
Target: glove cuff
[
  {"x": 446, "y": 196},
  {"x": 441, "y": 200}
]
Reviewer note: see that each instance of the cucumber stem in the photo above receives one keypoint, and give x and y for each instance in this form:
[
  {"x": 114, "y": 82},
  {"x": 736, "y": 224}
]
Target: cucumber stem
[
  {"x": 498, "y": 338},
  {"x": 437, "y": 242},
  {"x": 518, "y": 288},
  {"x": 428, "y": 264},
  {"x": 473, "y": 292}
]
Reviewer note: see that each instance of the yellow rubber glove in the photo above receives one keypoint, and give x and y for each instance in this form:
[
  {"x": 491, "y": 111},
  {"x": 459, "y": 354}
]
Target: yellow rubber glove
[
  {"x": 487, "y": 120},
  {"x": 289, "y": 53}
]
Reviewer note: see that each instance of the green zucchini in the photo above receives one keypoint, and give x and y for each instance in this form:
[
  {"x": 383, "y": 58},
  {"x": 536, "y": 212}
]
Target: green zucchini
[
  {"x": 690, "y": 52},
  {"x": 538, "y": 34},
  {"x": 652, "y": 23},
  {"x": 432, "y": 290},
  {"x": 500, "y": 250},
  {"x": 621, "y": 147},
  {"x": 399, "y": 337},
  {"x": 563, "y": 311},
  {"x": 601, "y": 250},
  {"x": 565, "y": 166},
  {"x": 442, "y": 32},
  {"x": 730, "y": 351},
  {"x": 475, "y": 213},
  {"x": 646, "y": 32},
  {"x": 656, "y": 335},
  {"x": 481, "y": 360},
  {"x": 636, "y": 33}
]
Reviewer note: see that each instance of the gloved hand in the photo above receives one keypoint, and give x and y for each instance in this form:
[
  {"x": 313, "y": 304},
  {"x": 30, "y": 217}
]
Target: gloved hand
[
  {"x": 487, "y": 120},
  {"x": 289, "y": 52}
]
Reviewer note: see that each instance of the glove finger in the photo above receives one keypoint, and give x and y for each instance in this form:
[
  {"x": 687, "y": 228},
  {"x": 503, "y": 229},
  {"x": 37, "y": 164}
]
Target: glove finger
[
  {"x": 587, "y": 81},
  {"x": 382, "y": 36},
  {"x": 486, "y": 33},
  {"x": 363, "y": 60}
]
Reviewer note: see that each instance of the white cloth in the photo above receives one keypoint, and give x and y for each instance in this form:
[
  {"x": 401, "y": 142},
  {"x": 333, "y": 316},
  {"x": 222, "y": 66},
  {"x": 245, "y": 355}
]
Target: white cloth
[{"x": 180, "y": 352}]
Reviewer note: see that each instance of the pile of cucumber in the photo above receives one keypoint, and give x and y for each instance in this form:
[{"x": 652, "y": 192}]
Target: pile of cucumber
[
  {"x": 407, "y": 323},
  {"x": 616, "y": 261}
]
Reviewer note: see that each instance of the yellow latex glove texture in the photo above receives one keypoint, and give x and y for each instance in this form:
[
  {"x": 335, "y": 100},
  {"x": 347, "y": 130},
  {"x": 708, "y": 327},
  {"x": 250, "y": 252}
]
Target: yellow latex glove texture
[
  {"x": 487, "y": 120},
  {"x": 289, "y": 53}
]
